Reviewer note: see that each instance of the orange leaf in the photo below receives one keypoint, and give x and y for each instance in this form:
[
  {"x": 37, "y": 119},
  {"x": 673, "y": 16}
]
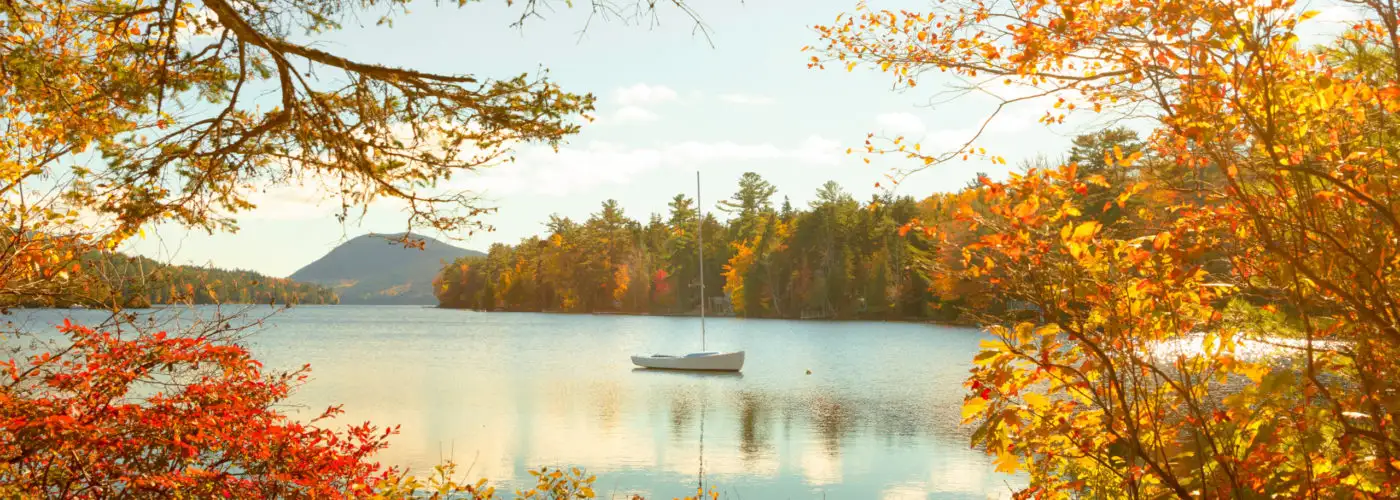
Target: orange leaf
[{"x": 1162, "y": 241}]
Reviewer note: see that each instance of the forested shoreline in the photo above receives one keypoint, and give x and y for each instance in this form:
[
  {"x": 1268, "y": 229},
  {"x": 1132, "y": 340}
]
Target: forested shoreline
[
  {"x": 138, "y": 282},
  {"x": 768, "y": 259},
  {"x": 145, "y": 282},
  {"x": 838, "y": 258}
]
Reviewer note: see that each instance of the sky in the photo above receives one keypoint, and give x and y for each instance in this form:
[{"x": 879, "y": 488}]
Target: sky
[{"x": 670, "y": 103}]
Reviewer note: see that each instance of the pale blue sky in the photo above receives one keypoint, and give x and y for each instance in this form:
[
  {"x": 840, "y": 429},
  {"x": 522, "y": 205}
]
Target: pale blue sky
[{"x": 668, "y": 104}]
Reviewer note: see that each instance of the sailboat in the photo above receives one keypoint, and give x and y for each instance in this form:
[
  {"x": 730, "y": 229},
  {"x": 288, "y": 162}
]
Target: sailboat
[{"x": 703, "y": 360}]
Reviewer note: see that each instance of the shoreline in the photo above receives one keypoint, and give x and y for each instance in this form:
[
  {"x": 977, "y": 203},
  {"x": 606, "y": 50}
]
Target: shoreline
[
  {"x": 597, "y": 313},
  {"x": 697, "y": 315}
]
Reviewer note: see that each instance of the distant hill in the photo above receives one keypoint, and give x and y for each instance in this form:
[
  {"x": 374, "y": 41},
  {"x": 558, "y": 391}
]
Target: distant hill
[
  {"x": 144, "y": 282},
  {"x": 371, "y": 269}
]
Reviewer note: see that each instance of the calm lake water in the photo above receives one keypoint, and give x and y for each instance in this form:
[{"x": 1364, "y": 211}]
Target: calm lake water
[{"x": 878, "y": 417}]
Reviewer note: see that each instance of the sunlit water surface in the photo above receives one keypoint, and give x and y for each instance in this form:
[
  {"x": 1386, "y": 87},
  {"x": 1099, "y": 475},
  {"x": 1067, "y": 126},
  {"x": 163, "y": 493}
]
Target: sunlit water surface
[{"x": 877, "y": 418}]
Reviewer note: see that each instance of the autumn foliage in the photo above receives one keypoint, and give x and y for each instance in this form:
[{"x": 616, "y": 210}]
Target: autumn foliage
[
  {"x": 146, "y": 414},
  {"x": 121, "y": 115},
  {"x": 1232, "y": 330},
  {"x": 836, "y": 258}
]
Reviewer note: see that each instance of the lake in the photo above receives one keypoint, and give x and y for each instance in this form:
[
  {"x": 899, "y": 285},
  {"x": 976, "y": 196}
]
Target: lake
[{"x": 501, "y": 393}]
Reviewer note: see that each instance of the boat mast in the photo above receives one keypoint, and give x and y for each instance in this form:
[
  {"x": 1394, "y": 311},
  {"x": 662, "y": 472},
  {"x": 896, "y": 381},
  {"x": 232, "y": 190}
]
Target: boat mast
[{"x": 700, "y": 244}]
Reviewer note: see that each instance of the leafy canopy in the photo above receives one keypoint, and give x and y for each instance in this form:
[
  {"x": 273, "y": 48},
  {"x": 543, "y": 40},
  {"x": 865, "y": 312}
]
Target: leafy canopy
[{"x": 1140, "y": 373}]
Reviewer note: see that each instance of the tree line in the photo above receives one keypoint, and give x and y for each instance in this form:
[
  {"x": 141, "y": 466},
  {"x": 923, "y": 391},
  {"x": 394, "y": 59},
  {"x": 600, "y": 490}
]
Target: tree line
[
  {"x": 837, "y": 258},
  {"x": 127, "y": 281}
]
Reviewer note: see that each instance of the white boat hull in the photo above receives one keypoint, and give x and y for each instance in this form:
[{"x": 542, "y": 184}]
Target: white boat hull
[{"x": 705, "y": 361}]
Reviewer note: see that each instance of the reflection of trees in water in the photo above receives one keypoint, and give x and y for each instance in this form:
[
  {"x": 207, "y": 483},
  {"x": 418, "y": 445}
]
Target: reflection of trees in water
[
  {"x": 683, "y": 410},
  {"x": 833, "y": 419},
  {"x": 903, "y": 421},
  {"x": 754, "y": 422},
  {"x": 608, "y": 402},
  {"x": 831, "y": 416}
]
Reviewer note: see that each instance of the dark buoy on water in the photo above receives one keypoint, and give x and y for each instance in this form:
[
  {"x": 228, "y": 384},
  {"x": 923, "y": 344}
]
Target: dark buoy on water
[{"x": 809, "y": 372}]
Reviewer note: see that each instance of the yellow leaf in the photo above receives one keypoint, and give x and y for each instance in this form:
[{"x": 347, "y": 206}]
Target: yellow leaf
[
  {"x": 1007, "y": 463},
  {"x": 1255, "y": 372},
  {"x": 1085, "y": 231},
  {"x": 972, "y": 407},
  {"x": 1075, "y": 249},
  {"x": 1035, "y": 399}
]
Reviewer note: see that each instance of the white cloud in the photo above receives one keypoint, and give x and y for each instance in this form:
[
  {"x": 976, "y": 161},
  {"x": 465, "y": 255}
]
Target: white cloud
[
  {"x": 998, "y": 137},
  {"x": 942, "y": 140},
  {"x": 951, "y": 130},
  {"x": 1330, "y": 22},
  {"x": 901, "y": 124},
  {"x": 642, "y": 94},
  {"x": 291, "y": 202},
  {"x": 311, "y": 198},
  {"x": 1346, "y": 15},
  {"x": 542, "y": 171},
  {"x": 634, "y": 114},
  {"x": 746, "y": 99},
  {"x": 492, "y": 182},
  {"x": 637, "y": 101}
]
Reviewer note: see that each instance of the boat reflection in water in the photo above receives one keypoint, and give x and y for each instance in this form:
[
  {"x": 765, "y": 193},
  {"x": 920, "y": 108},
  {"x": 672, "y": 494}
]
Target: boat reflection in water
[{"x": 689, "y": 373}]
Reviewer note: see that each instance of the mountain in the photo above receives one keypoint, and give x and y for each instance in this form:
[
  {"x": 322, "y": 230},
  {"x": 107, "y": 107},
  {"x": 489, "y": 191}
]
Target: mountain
[{"x": 371, "y": 269}]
